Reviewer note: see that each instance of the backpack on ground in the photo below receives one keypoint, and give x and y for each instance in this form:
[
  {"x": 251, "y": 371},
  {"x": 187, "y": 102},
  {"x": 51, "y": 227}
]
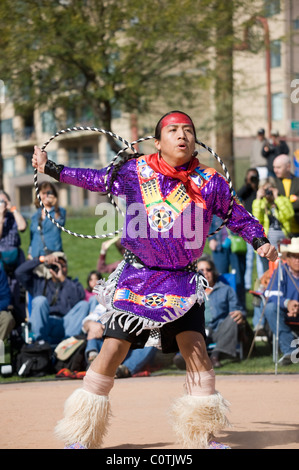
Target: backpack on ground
[
  {"x": 34, "y": 360},
  {"x": 70, "y": 354}
]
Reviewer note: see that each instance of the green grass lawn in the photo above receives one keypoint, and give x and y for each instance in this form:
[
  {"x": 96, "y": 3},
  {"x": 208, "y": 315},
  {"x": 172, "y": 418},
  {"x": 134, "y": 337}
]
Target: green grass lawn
[{"x": 82, "y": 258}]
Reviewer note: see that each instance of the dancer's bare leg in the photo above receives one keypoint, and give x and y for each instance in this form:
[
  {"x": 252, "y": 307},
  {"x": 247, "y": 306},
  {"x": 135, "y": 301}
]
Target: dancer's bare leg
[
  {"x": 112, "y": 354},
  {"x": 193, "y": 349}
]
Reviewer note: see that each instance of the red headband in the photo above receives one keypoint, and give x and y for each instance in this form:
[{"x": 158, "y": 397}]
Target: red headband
[{"x": 176, "y": 118}]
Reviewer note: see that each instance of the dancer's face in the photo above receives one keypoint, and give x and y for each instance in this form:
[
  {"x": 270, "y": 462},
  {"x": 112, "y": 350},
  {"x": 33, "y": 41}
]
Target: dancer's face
[{"x": 177, "y": 143}]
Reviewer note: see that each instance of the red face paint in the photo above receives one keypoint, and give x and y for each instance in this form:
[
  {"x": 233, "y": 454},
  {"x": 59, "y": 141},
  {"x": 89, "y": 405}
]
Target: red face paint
[{"x": 176, "y": 118}]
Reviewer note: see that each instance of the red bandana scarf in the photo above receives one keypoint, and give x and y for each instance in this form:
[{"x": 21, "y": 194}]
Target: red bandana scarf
[{"x": 160, "y": 166}]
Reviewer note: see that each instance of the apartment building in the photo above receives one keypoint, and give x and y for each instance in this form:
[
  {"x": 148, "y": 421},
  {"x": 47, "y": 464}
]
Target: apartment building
[
  {"x": 257, "y": 85},
  {"x": 77, "y": 148},
  {"x": 276, "y": 85}
]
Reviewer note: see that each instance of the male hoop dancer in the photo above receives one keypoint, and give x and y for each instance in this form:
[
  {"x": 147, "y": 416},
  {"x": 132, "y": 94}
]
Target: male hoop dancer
[{"x": 156, "y": 293}]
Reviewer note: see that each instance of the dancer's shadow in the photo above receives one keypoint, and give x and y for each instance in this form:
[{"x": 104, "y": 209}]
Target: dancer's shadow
[
  {"x": 152, "y": 445},
  {"x": 263, "y": 438}
]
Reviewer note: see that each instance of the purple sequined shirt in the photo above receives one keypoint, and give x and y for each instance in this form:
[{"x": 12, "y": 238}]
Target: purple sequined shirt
[{"x": 167, "y": 231}]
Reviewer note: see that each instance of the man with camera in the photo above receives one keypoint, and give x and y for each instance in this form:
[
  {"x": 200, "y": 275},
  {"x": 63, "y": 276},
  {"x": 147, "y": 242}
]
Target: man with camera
[
  {"x": 273, "y": 211},
  {"x": 271, "y": 150},
  {"x": 58, "y": 305}
]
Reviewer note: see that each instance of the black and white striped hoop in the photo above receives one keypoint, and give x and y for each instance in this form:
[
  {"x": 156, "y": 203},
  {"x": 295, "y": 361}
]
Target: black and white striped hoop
[
  {"x": 74, "y": 129},
  {"x": 128, "y": 146}
]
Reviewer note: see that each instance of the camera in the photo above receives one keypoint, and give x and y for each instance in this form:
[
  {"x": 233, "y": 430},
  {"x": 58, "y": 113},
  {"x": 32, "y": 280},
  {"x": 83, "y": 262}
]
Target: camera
[
  {"x": 50, "y": 193},
  {"x": 254, "y": 179},
  {"x": 268, "y": 192},
  {"x": 53, "y": 266}
]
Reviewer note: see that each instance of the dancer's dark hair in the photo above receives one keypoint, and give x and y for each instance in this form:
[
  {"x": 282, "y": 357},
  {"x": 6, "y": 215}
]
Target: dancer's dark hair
[{"x": 126, "y": 157}]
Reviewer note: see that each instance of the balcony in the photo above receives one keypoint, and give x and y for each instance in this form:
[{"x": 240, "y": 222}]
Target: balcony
[
  {"x": 25, "y": 137},
  {"x": 83, "y": 160}
]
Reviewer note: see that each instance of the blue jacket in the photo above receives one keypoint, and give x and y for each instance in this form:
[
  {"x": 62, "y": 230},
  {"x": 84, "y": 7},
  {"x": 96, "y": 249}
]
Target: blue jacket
[
  {"x": 5, "y": 296},
  {"x": 221, "y": 301},
  {"x": 67, "y": 293},
  {"x": 51, "y": 234},
  {"x": 287, "y": 289}
]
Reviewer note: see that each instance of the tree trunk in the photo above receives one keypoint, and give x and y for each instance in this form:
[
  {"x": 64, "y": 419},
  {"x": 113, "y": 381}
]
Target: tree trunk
[{"x": 224, "y": 86}]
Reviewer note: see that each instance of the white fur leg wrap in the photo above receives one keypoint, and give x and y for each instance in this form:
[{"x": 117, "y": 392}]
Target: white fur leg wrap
[
  {"x": 86, "y": 417},
  {"x": 195, "y": 419}
]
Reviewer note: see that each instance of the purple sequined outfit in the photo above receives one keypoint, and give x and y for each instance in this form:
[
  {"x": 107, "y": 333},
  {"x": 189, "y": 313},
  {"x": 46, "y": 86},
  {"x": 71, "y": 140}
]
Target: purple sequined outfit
[{"x": 166, "y": 231}]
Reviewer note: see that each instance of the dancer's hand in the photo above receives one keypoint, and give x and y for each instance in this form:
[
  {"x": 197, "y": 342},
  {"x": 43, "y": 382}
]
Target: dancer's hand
[
  {"x": 39, "y": 159},
  {"x": 268, "y": 251}
]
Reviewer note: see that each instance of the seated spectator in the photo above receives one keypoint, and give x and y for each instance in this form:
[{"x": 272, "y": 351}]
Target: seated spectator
[
  {"x": 45, "y": 237},
  {"x": 225, "y": 319},
  {"x": 288, "y": 300},
  {"x": 11, "y": 255},
  {"x": 135, "y": 360},
  {"x": 7, "y": 322},
  {"x": 58, "y": 305},
  {"x": 102, "y": 266},
  {"x": 274, "y": 212},
  {"x": 92, "y": 279}
]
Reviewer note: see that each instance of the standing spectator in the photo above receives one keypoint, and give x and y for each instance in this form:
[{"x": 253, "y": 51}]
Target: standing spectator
[
  {"x": 272, "y": 149},
  {"x": 274, "y": 212},
  {"x": 58, "y": 305},
  {"x": 11, "y": 223},
  {"x": 45, "y": 237},
  {"x": 256, "y": 159},
  {"x": 7, "y": 321},
  {"x": 220, "y": 245},
  {"x": 247, "y": 194},
  {"x": 11, "y": 255},
  {"x": 288, "y": 185}
]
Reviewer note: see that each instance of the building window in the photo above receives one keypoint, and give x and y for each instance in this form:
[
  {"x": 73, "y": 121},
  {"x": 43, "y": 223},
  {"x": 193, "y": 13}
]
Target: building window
[
  {"x": 7, "y": 127},
  {"x": 277, "y": 106},
  {"x": 296, "y": 23},
  {"x": 275, "y": 54},
  {"x": 271, "y": 7},
  {"x": 9, "y": 166},
  {"x": 48, "y": 122}
]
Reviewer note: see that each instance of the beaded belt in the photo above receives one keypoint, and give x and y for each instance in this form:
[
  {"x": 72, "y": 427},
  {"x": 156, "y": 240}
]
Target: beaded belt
[{"x": 130, "y": 258}]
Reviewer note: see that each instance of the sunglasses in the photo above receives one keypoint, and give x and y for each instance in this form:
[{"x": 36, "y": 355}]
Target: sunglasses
[{"x": 208, "y": 270}]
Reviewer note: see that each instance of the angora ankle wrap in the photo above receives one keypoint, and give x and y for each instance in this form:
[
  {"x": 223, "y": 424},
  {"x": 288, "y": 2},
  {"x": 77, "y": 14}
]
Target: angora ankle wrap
[
  {"x": 86, "y": 418},
  {"x": 97, "y": 383},
  {"x": 196, "y": 419},
  {"x": 200, "y": 384}
]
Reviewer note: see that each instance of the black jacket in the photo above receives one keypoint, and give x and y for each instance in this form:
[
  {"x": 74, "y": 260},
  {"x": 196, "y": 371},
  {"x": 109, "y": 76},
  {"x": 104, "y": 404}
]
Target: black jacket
[
  {"x": 274, "y": 151},
  {"x": 61, "y": 296}
]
